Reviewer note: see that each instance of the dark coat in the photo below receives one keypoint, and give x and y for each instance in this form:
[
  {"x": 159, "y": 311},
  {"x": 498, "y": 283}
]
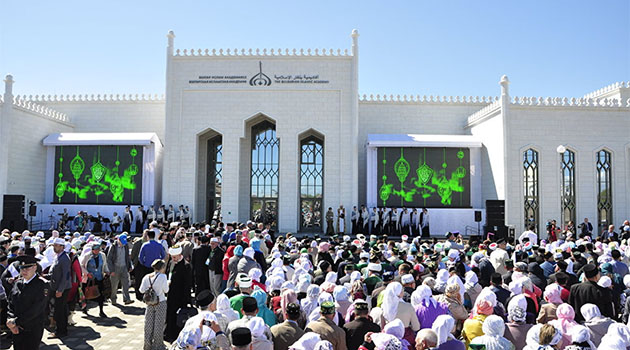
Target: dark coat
[
  {"x": 60, "y": 273},
  {"x": 590, "y": 292},
  {"x": 179, "y": 295},
  {"x": 27, "y": 302},
  {"x": 356, "y": 331},
  {"x": 200, "y": 269}
]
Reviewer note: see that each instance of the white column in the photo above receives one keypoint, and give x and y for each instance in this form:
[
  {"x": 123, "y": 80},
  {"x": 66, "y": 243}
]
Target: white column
[
  {"x": 354, "y": 115},
  {"x": 5, "y": 137}
]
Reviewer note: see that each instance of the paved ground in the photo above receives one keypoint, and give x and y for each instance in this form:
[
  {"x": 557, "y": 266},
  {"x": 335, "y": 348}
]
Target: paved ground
[{"x": 121, "y": 330}]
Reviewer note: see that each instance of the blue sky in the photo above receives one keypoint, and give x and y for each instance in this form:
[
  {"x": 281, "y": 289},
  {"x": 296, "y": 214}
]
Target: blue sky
[{"x": 547, "y": 48}]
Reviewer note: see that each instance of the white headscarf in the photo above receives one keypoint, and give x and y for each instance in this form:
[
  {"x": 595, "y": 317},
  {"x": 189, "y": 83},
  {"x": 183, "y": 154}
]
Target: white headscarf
[
  {"x": 486, "y": 294},
  {"x": 425, "y": 296},
  {"x": 384, "y": 341},
  {"x": 580, "y": 334},
  {"x": 224, "y": 308},
  {"x": 255, "y": 274},
  {"x": 310, "y": 302},
  {"x": 443, "y": 327},
  {"x": 340, "y": 293},
  {"x": 590, "y": 311},
  {"x": 395, "y": 328},
  {"x": 471, "y": 279},
  {"x": 493, "y": 329},
  {"x": 617, "y": 338},
  {"x": 249, "y": 252},
  {"x": 462, "y": 288},
  {"x": 516, "y": 287},
  {"x": 517, "y": 308},
  {"x": 306, "y": 342},
  {"x": 441, "y": 280},
  {"x": 391, "y": 300},
  {"x": 257, "y": 327}
]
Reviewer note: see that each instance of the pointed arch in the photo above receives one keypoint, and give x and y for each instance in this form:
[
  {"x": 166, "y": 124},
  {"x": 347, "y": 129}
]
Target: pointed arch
[
  {"x": 604, "y": 189},
  {"x": 531, "y": 200},
  {"x": 264, "y": 169},
  {"x": 311, "y": 180}
]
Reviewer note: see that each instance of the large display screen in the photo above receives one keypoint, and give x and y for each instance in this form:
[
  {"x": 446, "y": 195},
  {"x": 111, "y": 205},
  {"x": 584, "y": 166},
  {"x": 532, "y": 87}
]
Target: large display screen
[
  {"x": 98, "y": 175},
  {"x": 423, "y": 177}
]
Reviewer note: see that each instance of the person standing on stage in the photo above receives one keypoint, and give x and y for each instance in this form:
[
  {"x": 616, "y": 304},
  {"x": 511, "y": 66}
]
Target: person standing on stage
[
  {"x": 405, "y": 222},
  {"x": 385, "y": 219},
  {"x": 365, "y": 219},
  {"x": 27, "y": 305},
  {"x": 151, "y": 215},
  {"x": 424, "y": 223},
  {"x": 372, "y": 226},
  {"x": 186, "y": 216},
  {"x": 354, "y": 218},
  {"x": 394, "y": 222},
  {"x": 161, "y": 215},
  {"x": 60, "y": 284},
  {"x": 139, "y": 219},
  {"x": 341, "y": 219},
  {"x": 330, "y": 216},
  {"x": 127, "y": 219},
  {"x": 170, "y": 215},
  {"x": 415, "y": 223}
]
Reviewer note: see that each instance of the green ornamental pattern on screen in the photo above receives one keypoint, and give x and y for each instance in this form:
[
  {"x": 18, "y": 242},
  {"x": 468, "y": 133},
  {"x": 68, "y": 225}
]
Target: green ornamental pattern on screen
[
  {"x": 427, "y": 182},
  {"x": 101, "y": 180}
]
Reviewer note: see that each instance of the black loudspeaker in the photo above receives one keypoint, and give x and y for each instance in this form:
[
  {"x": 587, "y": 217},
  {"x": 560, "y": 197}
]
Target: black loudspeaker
[
  {"x": 477, "y": 215},
  {"x": 495, "y": 212},
  {"x": 498, "y": 231},
  {"x": 13, "y": 213},
  {"x": 32, "y": 209}
]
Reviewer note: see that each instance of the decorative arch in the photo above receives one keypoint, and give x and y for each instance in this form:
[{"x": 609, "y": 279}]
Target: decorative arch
[
  {"x": 531, "y": 193},
  {"x": 209, "y": 174},
  {"x": 264, "y": 170},
  {"x": 604, "y": 187},
  {"x": 311, "y": 180},
  {"x": 568, "y": 200}
]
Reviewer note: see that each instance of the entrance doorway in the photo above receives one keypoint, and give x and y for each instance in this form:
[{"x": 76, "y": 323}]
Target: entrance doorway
[{"x": 265, "y": 210}]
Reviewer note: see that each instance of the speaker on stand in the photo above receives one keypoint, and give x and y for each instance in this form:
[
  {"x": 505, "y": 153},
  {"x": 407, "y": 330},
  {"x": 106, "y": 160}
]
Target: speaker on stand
[
  {"x": 495, "y": 219},
  {"x": 13, "y": 213},
  {"x": 32, "y": 212}
]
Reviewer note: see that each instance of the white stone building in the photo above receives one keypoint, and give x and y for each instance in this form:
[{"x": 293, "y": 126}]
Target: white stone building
[{"x": 307, "y": 100}]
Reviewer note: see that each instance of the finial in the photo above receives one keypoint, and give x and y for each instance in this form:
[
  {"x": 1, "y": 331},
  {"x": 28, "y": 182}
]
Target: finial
[
  {"x": 505, "y": 82},
  {"x": 355, "y": 33},
  {"x": 171, "y": 39},
  {"x": 8, "y": 86}
]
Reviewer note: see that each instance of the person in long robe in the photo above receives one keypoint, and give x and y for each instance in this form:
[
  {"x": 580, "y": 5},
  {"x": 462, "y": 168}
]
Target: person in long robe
[
  {"x": 179, "y": 275},
  {"x": 341, "y": 219},
  {"x": 354, "y": 218}
]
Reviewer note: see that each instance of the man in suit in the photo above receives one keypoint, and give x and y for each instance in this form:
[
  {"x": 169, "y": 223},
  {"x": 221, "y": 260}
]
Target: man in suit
[
  {"x": 200, "y": 270},
  {"x": 127, "y": 219},
  {"x": 360, "y": 326},
  {"x": 60, "y": 284},
  {"x": 139, "y": 219},
  {"x": 287, "y": 332}
]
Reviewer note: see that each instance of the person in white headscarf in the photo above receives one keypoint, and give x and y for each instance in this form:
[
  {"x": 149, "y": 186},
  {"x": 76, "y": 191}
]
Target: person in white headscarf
[
  {"x": 552, "y": 297},
  {"x": 451, "y": 298},
  {"x": 581, "y": 338},
  {"x": 384, "y": 341},
  {"x": 310, "y": 302},
  {"x": 428, "y": 309},
  {"x": 315, "y": 314},
  {"x": 455, "y": 279},
  {"x": 306, "y": 342},
  {"x": 224, "y": 309},
  {"x": 397, "y": 329},
  {"x": 443, "y": 326},
  {"x": 259, "y": 340},
  {"x": 197, "y": 334},
  {"x": 341, "y": 295},
  {"x": 493, "y": 328},
  {"x": 516, "y": 329},
  {"x": 551, "y": 337},
  {"x": 394, "y": 307},
  {"x": 473, "y": 288},
  {"x": 330, "y": 282},
  {"x": 596, "y": 323},
  {"x": 617, "y": 338},
  {"x": 323, "y": 345},
  {"x": 441, "y": 280}
]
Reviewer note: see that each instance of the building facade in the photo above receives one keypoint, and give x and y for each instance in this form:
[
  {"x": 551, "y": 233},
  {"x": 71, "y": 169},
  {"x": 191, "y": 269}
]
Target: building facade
[{"x": 281, "y": 135}]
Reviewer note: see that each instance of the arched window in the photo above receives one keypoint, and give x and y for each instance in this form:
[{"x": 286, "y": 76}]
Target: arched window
[
  {"x": 604, "y": 189},
  {"x": 214, "y": 178},
  {"x": 530, "y": 182},
  {"x": 311, "y": 183},
  {"x": 264, "y": 174},
  {"x": 567, "y": 194}
]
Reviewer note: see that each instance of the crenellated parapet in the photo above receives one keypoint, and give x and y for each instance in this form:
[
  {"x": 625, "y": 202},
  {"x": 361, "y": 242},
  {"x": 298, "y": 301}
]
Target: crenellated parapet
[
  {"x": 37, "y": 109},
  {"x": 607, "y": 89},
  {"x": 569, "y": 102},
  {"x": 467, "y": 100},
  {"x": 157, "y": 98},
  {"x": 262, "y": 53}
]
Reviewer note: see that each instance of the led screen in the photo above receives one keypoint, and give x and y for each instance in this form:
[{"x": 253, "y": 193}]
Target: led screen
[
  {"x": 98, "y": 175},
  {"x": 423, "y": 177}
]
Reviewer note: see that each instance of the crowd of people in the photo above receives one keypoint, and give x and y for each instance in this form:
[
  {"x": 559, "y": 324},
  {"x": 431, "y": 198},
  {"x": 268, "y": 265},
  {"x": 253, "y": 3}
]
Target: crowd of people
[{"x": 241, "y": 286}]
